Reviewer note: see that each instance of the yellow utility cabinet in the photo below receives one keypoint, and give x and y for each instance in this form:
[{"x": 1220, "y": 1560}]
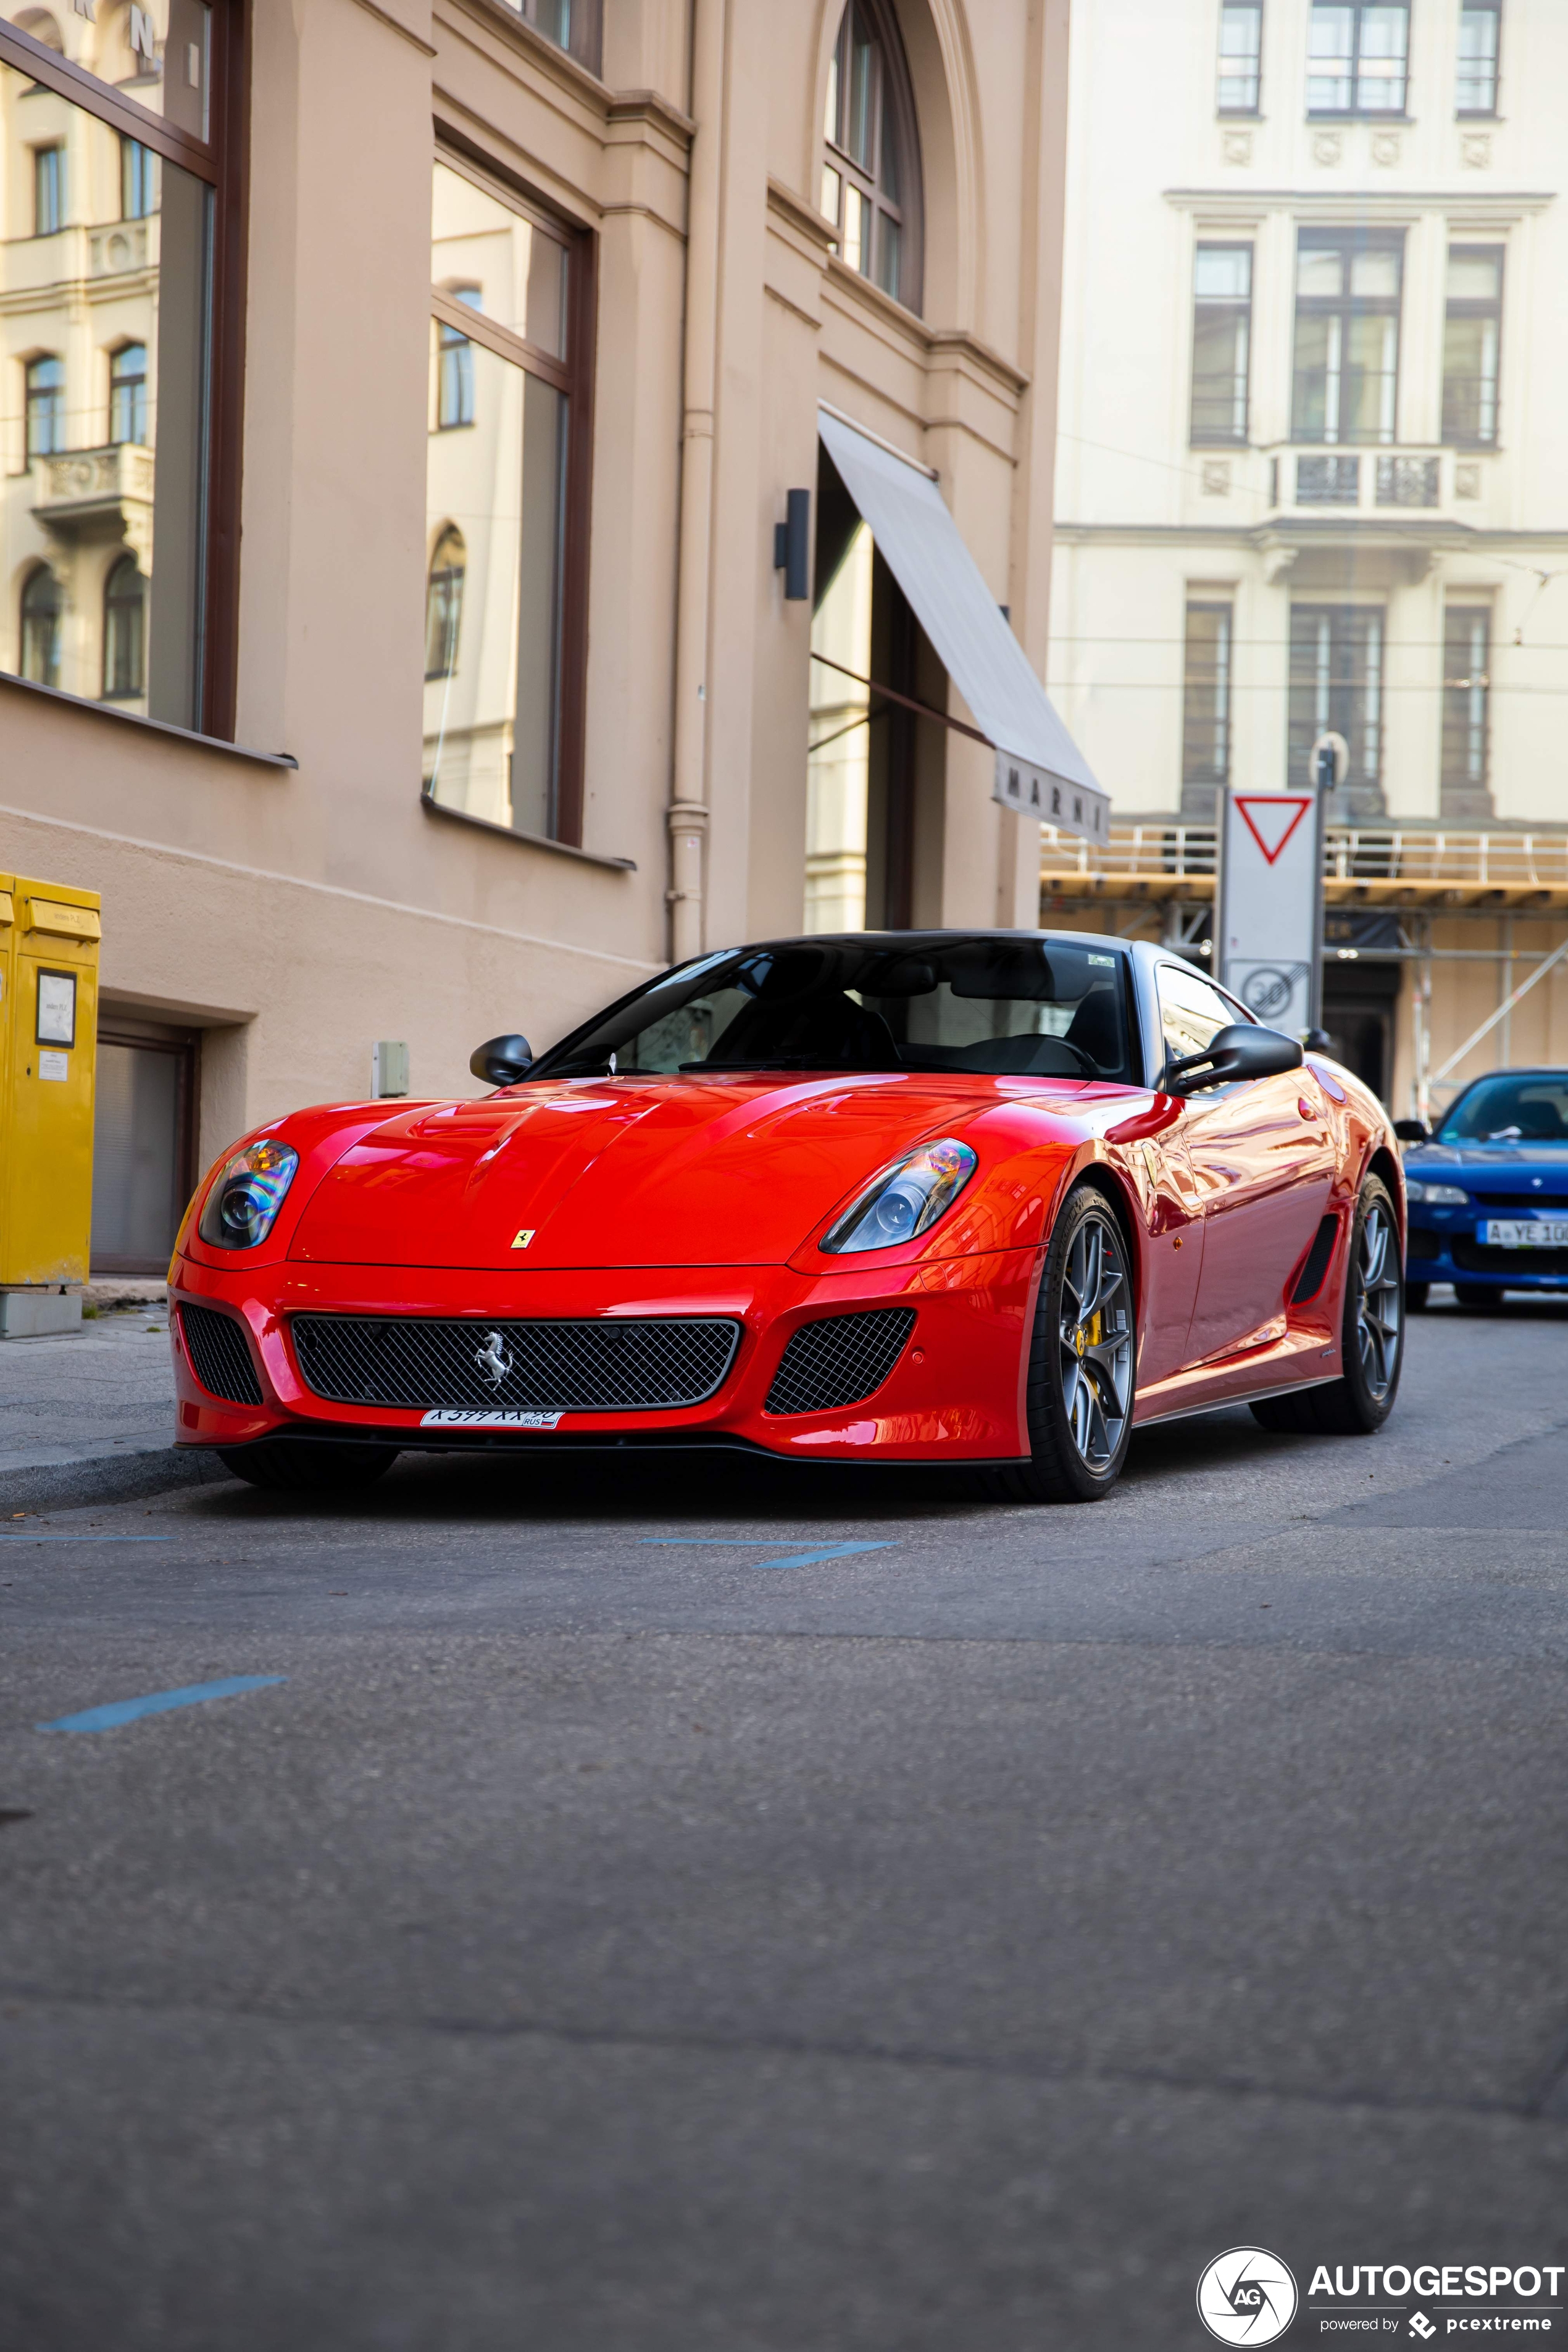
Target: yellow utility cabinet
[{"x": 49, "y": 1054}]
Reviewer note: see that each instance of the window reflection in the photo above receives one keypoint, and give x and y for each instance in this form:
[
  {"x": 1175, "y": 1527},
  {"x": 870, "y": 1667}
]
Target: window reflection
[
  {"x": 104, "y": 335},
  {"x": 499, "y": 424},
  {"x": 157, "y": 52}
]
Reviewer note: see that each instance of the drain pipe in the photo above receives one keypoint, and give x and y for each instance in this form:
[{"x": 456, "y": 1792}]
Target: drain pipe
[{"x": 686, "y": 814}]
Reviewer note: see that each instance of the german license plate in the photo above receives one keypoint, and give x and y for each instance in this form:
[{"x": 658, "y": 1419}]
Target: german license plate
[{"x": 1525, "y": 1232}]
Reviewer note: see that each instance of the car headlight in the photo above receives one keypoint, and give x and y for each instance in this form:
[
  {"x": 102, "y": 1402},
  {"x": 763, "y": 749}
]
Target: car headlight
[
  {"x": 247, "y": 1194},
  {"x": 905, "y": 1198},
  {"x": 1437, "y": 1196}
]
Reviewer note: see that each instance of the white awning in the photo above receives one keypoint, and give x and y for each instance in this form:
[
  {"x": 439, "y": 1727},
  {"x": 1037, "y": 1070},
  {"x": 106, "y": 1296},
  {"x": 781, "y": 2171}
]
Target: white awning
[{"x": 1040, "y": 771}]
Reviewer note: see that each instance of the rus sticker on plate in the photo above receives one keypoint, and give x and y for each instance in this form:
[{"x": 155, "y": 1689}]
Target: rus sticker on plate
[
  {"x": 1526, "y": 1233},
  {"x": 449, "y": 1417}
]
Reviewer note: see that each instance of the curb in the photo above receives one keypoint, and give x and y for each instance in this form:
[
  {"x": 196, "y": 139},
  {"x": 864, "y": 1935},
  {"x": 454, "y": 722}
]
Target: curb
[{"x": 117, "y": 1478}]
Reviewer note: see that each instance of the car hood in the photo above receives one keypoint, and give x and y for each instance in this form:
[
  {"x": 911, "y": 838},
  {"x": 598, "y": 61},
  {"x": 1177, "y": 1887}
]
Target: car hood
[
  {"x": 609, "y": 1173},
  {"x": 1487, "y": 1167}
]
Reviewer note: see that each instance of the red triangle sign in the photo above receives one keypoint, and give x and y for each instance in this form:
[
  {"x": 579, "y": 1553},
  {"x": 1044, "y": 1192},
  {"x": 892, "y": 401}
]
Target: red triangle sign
[{"x": 1272, "y": 821}]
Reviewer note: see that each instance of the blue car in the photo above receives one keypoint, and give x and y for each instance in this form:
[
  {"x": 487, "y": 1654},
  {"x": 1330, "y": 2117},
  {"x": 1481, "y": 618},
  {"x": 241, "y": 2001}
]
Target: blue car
[{"x": 1489, "y": 1191}]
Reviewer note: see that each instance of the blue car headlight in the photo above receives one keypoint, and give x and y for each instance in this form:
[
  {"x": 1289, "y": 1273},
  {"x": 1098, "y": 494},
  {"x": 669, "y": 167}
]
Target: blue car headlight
[
  {"x": 905, "y": 1200},
  {"x": 1437, "y": 1196},
  {"x": 247, "y": 1194}
]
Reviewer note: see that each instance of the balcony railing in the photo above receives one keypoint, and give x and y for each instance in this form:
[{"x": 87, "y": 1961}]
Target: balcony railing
[
  {"x": 1381, "y": 863},
  {"x": 1369, "y": 481}
]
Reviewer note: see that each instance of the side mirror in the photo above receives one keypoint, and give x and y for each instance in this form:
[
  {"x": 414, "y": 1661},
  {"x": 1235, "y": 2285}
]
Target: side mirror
[
  {"x": 1239, "y": 1052},
  {"x": 501, "y": 1061},
  {"x": 1412, "y": 1131},
  {"x": 1317, "y": 1041}
]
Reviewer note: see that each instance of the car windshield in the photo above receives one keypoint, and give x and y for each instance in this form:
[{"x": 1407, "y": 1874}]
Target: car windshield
[
  {"x": 997, "y": 1006},
  {"x": 1532, "y": 1110}
]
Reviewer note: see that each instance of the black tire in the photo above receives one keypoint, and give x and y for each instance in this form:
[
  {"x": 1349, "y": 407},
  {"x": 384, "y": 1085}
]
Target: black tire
[
  {"x": 1415, "y": 1297},
  {"x": 305, "y": 1468},
  {"x": 1083, "y": 1359},
  {"x": 1479, "y": 1297}
]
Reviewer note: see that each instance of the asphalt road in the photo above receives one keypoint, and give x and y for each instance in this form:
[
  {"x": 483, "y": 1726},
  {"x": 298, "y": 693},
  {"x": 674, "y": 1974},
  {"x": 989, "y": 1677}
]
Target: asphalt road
[{"x": 608, "y": 1933}]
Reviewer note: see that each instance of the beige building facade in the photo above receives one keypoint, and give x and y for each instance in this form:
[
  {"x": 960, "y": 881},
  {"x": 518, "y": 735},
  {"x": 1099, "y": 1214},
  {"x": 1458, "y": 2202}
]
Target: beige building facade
[
  {"x": 399, "y": 403},
  {"x": 1311, "y": 480}
]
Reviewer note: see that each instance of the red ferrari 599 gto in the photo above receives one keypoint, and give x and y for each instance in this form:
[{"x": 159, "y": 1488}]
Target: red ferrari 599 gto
[{"x": 989, "y": 1199}]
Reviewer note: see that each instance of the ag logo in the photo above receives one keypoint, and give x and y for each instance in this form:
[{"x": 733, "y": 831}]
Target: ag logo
[{"x": 1246, "y": 2297}]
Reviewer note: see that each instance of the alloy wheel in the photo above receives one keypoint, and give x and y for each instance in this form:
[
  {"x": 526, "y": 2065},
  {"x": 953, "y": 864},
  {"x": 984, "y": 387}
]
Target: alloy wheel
[
  {"x": 1379, "y": 1303},
  {"x": 1096, "y": 1340}
]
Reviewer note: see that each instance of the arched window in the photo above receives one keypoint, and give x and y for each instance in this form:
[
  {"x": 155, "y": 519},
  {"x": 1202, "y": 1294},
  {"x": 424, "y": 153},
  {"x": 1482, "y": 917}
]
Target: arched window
[
  {"x": 871, "y": 172},
  {"x": 444, "y": 604},
  {"x": 128, "y": 393},
  {"x": 42, "y": 605},
  {"x": 46, "y": 406},
  {"x": 124, "y": 630},
  {"x": 42, "y": 27}
]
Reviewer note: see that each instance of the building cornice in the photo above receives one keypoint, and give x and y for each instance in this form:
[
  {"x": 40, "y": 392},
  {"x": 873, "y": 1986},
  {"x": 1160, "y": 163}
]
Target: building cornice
[
  {"x": 802, "y": 218},
  {"x": 1338, "y": 204}
]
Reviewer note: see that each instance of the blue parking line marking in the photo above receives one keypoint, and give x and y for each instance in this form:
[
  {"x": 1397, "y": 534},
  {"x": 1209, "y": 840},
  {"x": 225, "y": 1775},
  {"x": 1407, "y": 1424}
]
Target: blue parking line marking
[
  {"x": 765, "y": 1543},
  {"x": 126, "y": 1710}
]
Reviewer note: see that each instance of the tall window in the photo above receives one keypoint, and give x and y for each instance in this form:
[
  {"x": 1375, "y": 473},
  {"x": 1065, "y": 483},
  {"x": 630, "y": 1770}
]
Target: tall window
[
  {"x": 46, "y": 406},
  {"x": 132, "y": 123},
  {"x": 1358, "y": 57},
  {"x": 1475, "y": 88},
  {"x": 1347, "y": 337},
  {"x": 42, "y": 605},
  {"x": 572, "y": 25},
  {"x": 1206, "y": 709},
  {"x": 137, "y": 180},
  {"x": 48, "y": 189},
  {"x": 1336, "y": 686},
  {"x": 509, "y": 351},
  {"x": 455, "y": 389},
  {"x": 128, "y": 393},
  {"x": 870, "y": 172},
  {"x": 1466, "y": 792},
  {"x": 1222, "y": 336},
  {"x": 1472, "y": 332},
  {"x": 1240, "y": 56},
  {"x": 124, "y": 630},
  {"x": 444, "y": 604}
]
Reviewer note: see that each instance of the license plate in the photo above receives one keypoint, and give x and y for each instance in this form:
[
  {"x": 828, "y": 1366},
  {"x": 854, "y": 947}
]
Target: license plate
[{"x": 1526, "y": 1233}]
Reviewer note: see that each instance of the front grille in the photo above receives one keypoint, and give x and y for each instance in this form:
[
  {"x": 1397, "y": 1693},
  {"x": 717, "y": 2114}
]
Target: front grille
[
  {"x": 217, "y": 1349},
  {"x": 1481, "y": 1257},
  {"x": 839, "y": 1360},
  {"x": 1557, "y": 1206},
  {"x": 1426, "y": 1241},
  {"x": 606, "y": 1365}
]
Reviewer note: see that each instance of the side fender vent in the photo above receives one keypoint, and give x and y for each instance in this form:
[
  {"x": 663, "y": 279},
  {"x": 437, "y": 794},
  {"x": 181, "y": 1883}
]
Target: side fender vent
[{"x": 1310, "y": 1281}]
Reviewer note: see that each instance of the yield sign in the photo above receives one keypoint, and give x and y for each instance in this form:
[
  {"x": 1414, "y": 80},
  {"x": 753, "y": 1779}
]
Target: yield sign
[{"x": 1272, "y": 821}]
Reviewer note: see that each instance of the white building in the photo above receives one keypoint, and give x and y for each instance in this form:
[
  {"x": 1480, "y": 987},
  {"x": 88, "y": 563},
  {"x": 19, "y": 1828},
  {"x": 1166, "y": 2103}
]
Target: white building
[{"x": 1311, "y": 471}]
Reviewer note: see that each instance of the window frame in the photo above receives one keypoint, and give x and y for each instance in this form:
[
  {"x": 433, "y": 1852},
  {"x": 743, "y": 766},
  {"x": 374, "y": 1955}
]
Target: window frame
[
  {"x": 57, "y": 394},
  {"x": 112, "y": 604},
  {"x": 119, "y": 383},
  {"x": 40, "y": 570},
  {"x": 1492, "y": 8},
  {"x": 1349, "y": 624},
  {"x": 1201, "y": 439},
  {"x": 1213, "y": 779},
  {"x": 50, "y": 152},
  {"x": 891, "y": 85},
  {"x": 1461, "y": 722},
  {"x": 1464, "y": 306},
  {"x": 1230, "y": 113},
  {"x": 587, "y": 47},
  {"x": 1356, "y": 112},
  {"x": 219, "y": 162},
  {"x": 1345, "y": 307},
  {"x": 573, "y": 377}
]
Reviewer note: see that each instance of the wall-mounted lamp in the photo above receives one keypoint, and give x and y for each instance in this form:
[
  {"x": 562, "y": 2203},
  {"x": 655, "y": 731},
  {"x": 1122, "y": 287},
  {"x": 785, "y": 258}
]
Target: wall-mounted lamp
[{"x": 791, "y": 547}]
